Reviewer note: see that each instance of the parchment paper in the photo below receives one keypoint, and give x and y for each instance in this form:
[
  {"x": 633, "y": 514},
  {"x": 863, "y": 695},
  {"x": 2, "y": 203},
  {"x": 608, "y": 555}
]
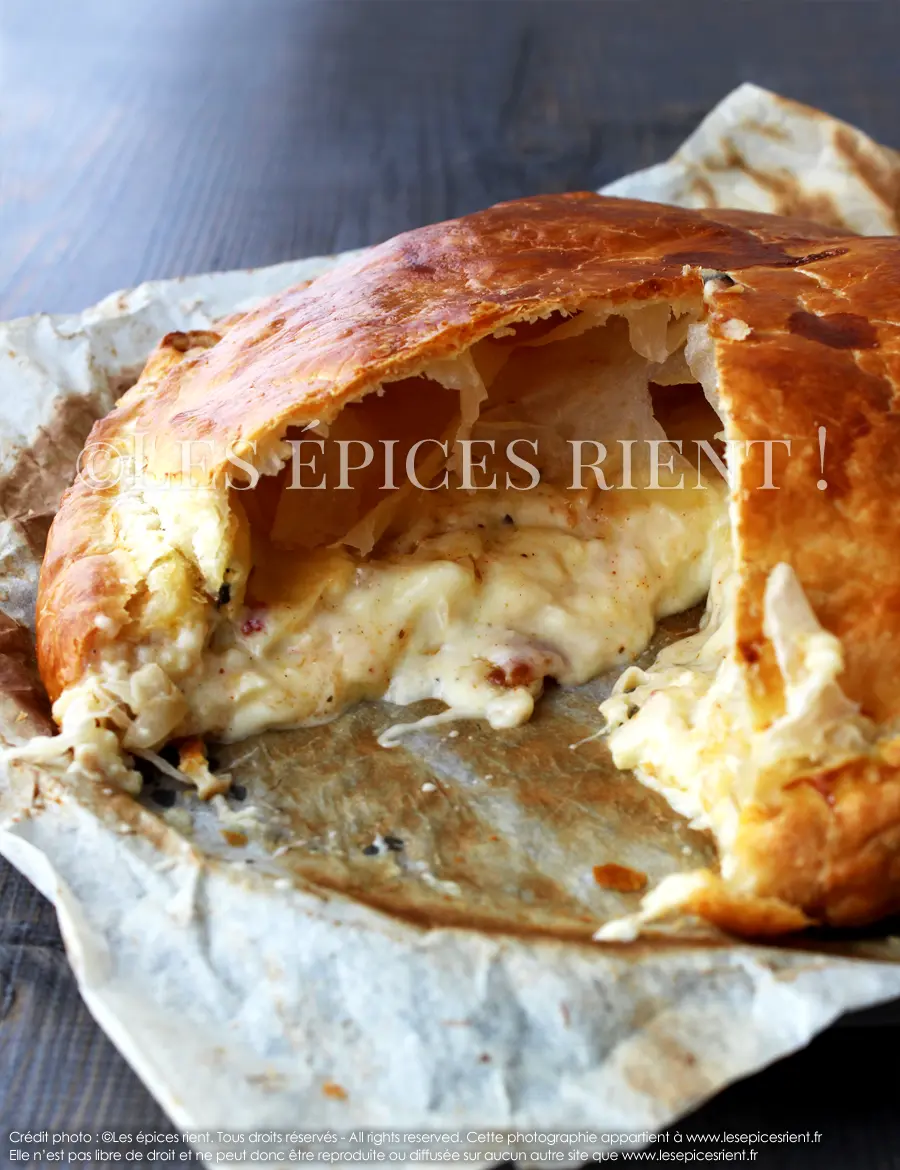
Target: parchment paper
[{"x": 360, "y": 937}]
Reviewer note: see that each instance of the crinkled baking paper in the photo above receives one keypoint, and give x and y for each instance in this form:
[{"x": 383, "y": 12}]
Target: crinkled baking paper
[{"x": 356, "y": 937}]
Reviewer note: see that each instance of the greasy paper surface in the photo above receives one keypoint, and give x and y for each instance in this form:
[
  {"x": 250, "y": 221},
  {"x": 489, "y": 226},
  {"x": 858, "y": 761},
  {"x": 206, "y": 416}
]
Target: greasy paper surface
[{"x": 410, "y": 924}]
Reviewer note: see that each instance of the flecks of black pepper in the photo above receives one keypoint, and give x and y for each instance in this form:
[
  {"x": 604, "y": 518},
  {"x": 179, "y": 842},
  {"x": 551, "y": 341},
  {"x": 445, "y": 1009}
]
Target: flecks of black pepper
[
  {"x": 224, "y": 595},
  {"x": 507, "y": 519},
  {"x": 395, "y": 844},
  {"x": 238, "y": 791},
  {"x": 370, "y": 850}
]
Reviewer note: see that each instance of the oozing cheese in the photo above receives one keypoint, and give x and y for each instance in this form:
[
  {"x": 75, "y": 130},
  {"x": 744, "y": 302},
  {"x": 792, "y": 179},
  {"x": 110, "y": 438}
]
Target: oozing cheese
[
  {"x": 473, "y": 597},
  {"x": 502, "y": 592},
  {"x": 469, "y": 597}
]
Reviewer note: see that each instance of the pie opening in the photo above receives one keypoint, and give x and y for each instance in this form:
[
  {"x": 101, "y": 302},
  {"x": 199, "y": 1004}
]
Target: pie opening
[{"x": 534, "y": 523}]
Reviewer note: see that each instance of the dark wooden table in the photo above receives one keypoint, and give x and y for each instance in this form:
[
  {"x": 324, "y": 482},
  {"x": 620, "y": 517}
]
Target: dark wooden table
[{"x": 145, "y": 138}]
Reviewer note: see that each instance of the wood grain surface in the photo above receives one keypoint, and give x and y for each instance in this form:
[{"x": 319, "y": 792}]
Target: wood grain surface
[{"x": 148, "y": 138}]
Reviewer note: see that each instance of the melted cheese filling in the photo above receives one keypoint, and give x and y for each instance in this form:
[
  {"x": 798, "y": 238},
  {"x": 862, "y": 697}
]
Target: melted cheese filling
[
  {"x": 506, "y": 592},
  {"x": 472, "y": 598}
]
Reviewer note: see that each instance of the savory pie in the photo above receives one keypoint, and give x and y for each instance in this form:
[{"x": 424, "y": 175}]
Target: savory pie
[{"x": 499, "y": 450}]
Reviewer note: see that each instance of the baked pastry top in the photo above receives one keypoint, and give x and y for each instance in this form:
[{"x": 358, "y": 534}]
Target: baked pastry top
[{"x": 198, "y": 582}]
